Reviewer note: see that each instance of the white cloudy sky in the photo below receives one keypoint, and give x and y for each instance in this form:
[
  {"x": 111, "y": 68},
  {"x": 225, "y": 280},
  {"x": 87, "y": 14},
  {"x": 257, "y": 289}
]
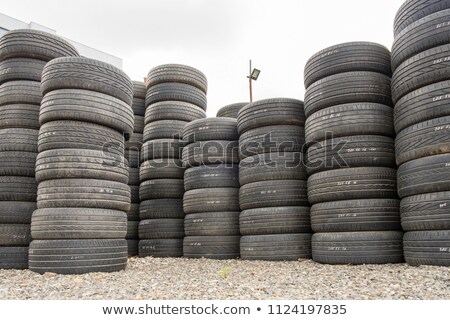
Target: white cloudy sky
[{"x": 216, "y": 36}]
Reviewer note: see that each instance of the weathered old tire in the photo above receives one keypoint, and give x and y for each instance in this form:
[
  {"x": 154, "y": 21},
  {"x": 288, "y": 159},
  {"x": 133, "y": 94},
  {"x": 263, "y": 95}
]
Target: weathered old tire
[
  {"x": 231, "y": 110},
  {"x": 211, "y": 247},
  {"x": 210, "y": 129},
  {"x": 172, "y": 91},
  {"x": 133, "y": 247},
  {"x": 133, "y": 176},
  {"x": 133, "y": 213},
  {"x": 133, "y": 157},
  {"x": 161, "y": 189},
  {"x": 173, "y": 110},
  {"x": 161, "y": 149},
  {"x": 161, "y": 169},
  {"x": 16, "y": 69},
  {"x": 17, "y": 163},
  {"x": 163, "y": 129},
  {"x": 161, "y": 248},
  {"x": 138, "y": 124},
  {"x": 427, "y": 248},
  {"x": 161, "y": 209},
  {"x": 211, "y": 153},
  {"x": 15, "y": 235},
  {"x": 19, "y": 140},
  {"x": 14, "y": 257},
  {"x": 212, "y": 224},
  {"x": 161, "y": 229},
  {"x": 13, "y": 188},
  {"x": 139, "y": 89},
  {"x": 16, "y": 212},
  {"x": 134, "y": 194},
  {"x": 19, "y": 116},
  {"x": 212, "y": 176},
  {"x": 177, "y": 73},
  {"x": 211, "y": 200},
  {"x": 20, "y": 92}
]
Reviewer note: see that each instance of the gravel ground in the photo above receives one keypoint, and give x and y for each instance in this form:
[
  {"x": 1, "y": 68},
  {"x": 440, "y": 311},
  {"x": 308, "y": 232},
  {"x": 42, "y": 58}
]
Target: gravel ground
[{"x": 208, "y": 279}]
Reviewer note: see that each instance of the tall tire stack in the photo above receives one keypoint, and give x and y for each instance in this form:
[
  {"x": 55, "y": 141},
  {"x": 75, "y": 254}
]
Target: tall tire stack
[
  {"x": 83, "y": 194},
  {"x": 231, "y": 110},
  {"x": 211, "y": 182},
  {"x": 274, "y": 221},
  {"x": 350, "y": 159},
  {"x": 23, "y": 54},
  {"x": 176, "y": 95},
  {"x": 421, "y": 91}
]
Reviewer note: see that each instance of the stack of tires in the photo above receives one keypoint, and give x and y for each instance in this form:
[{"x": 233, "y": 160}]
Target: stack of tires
[
  {"x": 211, "y": 182},
  {"x": 421, "y": 91},
  {"x": 351, "y": 163},
  {"x": 231, "y": 110},
  {"x": 23, "y": 55},
  {"x": 176, "y": 95},
  {"x": 275, "y": 218},
  {"x": 83, "y": 194}
]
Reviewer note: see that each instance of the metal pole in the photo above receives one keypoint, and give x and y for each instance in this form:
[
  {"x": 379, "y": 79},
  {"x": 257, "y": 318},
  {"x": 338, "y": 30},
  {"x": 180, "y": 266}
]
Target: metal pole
[{"x": 250, "y": 80}]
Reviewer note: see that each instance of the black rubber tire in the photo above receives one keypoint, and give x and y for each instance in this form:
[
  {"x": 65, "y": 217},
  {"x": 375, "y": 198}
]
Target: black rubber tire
[
  {"x": 19, "y": 116},
  {"x": 164, "y": 129},
  {"x": 20, "y": 92},
  {"x": 134, "y": 179},
  {"x": 351, "y": 152},
  {"x": 161, "y": 189},
  {"x": 231, "y": 110},
  {"x": 13, "y": 188},
  {"x": 211, "y": 247},
  {"x": 139, "y": 90},
  {"x": 16, "y": 212},
  {"x": 87, "y": 106},
  {"x": 211, "y": 153},
  {"x": 276, "y": 247},
  {"x": 423, "y": 139},
  {"x": 356, "y": 216},
  {"x": 177, "y": 73},
  {"x": 172, "y": 91},
  {"x": 161, "y": 209},
  {"x": 349, "y": 120},
  {"x": 138, "y": 124},
  {"x": 132, "y": 230},
  {"x": 138, "y": 107},
  {"x": 379, "y": 247},
  {"x": 87, "y": 74},
  {"x": 161, "y": 229},
  {"x": 13, "y": 257},
  {"x": 173, "y": 110},
  {"x": 211, "y": 200},
  {"x": 347, "y": 57},
  {"x": 273, "y": 193},
  {"x": 134, "y": 142},
  {"x": 277, "y": 220},
  {"x": 353, "y": 184},
  {"x": 78, "y": 164},
  {"x": 13, "y": 163},
  {"x": 210, "y": 129},
  {"x": 15, "y": 235},
  {"x": 212, "y": 224},
  {"x": 161, "y": 248},
  {"x": 272, "y": 166},
  {"x": 429, "y": 32},
  {"x": 212, "y": 176},
  {"x": 424, "y": 175},
  {"x": 348, "y": 87},
  {"x": 426, "y": 212},
  {"x": 271, "y": 112},
  {"x": 78, "y": 256},
  {"x": 161, "y": 169},
  {"x": 133, "y": 247},
  {"x": 427, "y": 248},
  {"x": 134, "y": 194},
  {"x": 17, "y": 69},
  {"x": 83, "y": 193},
  {"x": 78, "y": 223},
  {"x": 19, "y": 140},
  {"x": 272, "y": 139},
  {"x": 161, "y": 149},
  {"x": 133, "y": 157},
  {"x": 133, "y": 213}
]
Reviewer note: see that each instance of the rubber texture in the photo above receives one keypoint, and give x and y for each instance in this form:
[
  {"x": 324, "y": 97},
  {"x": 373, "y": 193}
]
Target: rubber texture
[
  {"x": 212, "y": 224},
  {"x": 427, "y": 248},
  {"x": 211, "y": 153},
  {"x": 212, "y": 176},
  {"x": 20, "y": 92},
  {"x": 172, "y": 91},
  {"x": 19, "y": 116},
  {"x": 161, "y": 189},
  {"x": 211, "y": 247},
  {"x": 161, "y": 169},
  {"x": 161, "y": 209},
  {"x": 161, "y": 248},
  {"x": 211, "y": 200},
  {"x": 164, "y": 129},
  {"x": 177, "y": 73},
  {"x": 211, "y": 129},
  {"x": 14, "y": 188},
  {"x": 15, "y": 69},
  {"x": 13, "y": 257},
  {"x": 161, "y": 149},
  {"x": 16, "y": 212},
  {"x": 161, "y": 229},
  {"x": 173, "y": 110},
  {"x": 231, "y": 110},
  {"x": 15, "y": 235},
  {"x": 17, "y": 163}
]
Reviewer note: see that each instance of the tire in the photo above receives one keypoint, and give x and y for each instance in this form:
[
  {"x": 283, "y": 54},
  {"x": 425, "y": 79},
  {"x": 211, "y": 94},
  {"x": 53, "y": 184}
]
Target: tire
[
  {"x": 78, "y": 164},
  {"x": 231, "y": 110},
  {"x": 271, "y": 112},
  {"x": 353, "y": 184},
  {"x": 16, "y": 212},
  {"x": 133, "y": 247},
  {"x": 13, "y": 188},
  {"x": 161, "y": 248},
  {"x": 172, "y": 91},
  {"x": 19, "y": 116},
  {"x": 164, "y": 129},
  {"x": 78, "y": 223},
  {"x": 211, "y": 153},
  {"x": 19, "y": 140},
  {"x": 423, "y": 139},
  {"x": 211, "y": 129},
  {"x": 83, "y": 193},
  {"x": 134, "y": 194},
  {"x": 132, "y": 230},
  {"x": 161, "y": 189},
  {"x": 425, "y": 212},
  {"x": 424, "y": 175},
  {"x": 161, "y": 169},
  {"x": 133, "y": 213},
  {"x": 87, "y": 106},
  {"x": 429, "y": 32},
  {"x": 177, "y": 73},
  {"x": 274, "y": 193},
  {"x": 34, "y": 44},
  {"x": 211, "y": 200},
  {"x": 13, "y": 163},
  {"x": 161, "y": 229},
  {"x": 212, "y": 247},
  {"x": 87, "y": 74},
  {"x": 212, "y": 176},
  {"x": 276, "y": 247},
  {"x": 346, "y": 88},
  {"x": 139, "y": 89},
  {"x": 78, "y": 256},
  {"x": 15, "y": 235},
  {"x": 173, "y": 110},
  {"x": 356, "y": 216},
  {"x": 133, "y": 158},
  {"x": 351, "y": 152},
  {"x": 272, "y": 166},
  {"x": 348, "y": 57},
  {"x": 277, "y": 220},
  {"x": 20, "y": 92},
  {"x": 350, "y": 120},
  {"x": 271, "y": 139},
  {"x": 427, "y": 248},
  {"x": 17, "y": 69},
  {"x": 161, "y": 209},
  {"x": 135, "y": 141},
  {"x": 134, "y": 177},
  {"x": 380, "y": 247},
  {"x": 13, "y": 257},
  {"x": 212, "y": 224},
  {"x": 161, "y": 149},
  {"x": 138, "y": 107}
]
